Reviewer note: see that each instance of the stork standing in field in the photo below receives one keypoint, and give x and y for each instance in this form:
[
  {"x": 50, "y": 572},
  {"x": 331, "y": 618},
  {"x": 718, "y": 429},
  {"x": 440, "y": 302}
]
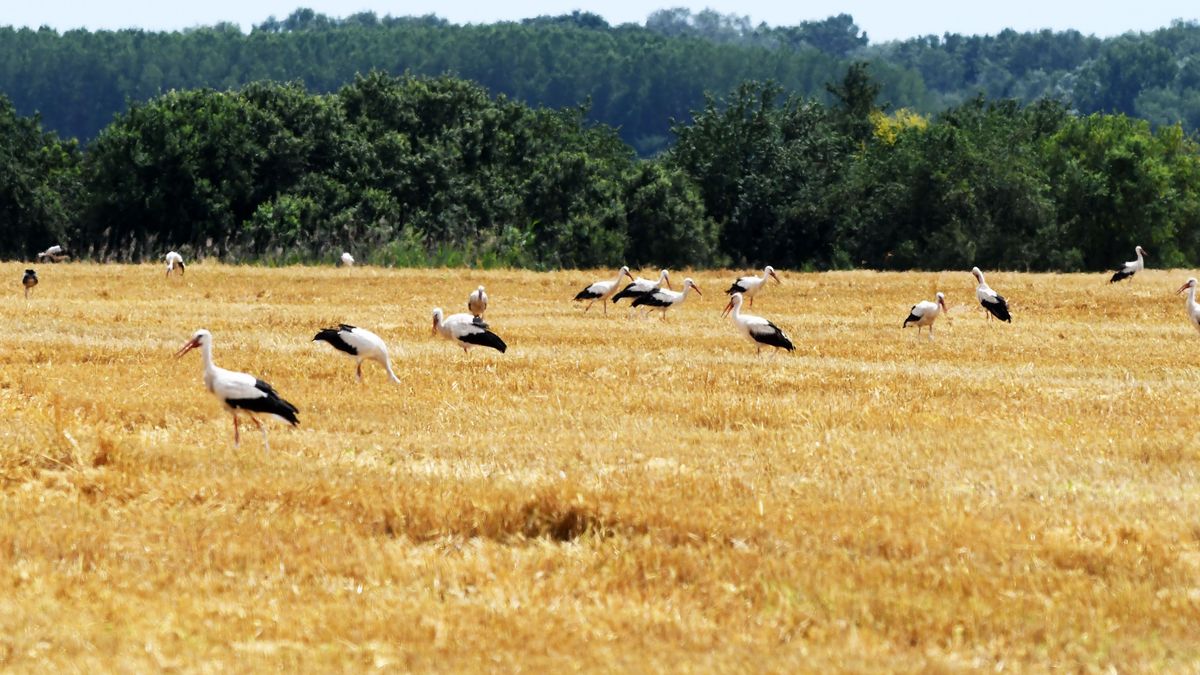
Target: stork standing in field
[
  {"x": 347, "y": 259},
  {"x": 466, "y": 330},
  {"x": 477, "y": 302},
  {"x": 751, "y": 285},
  {"x": 924, "y": 313},
  {"x": 29, "y": 281},
  {"x": 756, "y": 329},
  {"x": 1131, "y": 268},
  {"x": 1193, "y": 309},
  {"x": 601, "y": 290},
  {"x": 993, "y": 302},
  {"x": 239, "y": 391},
  {"x": 55, "y": 253},
  {"x": 664, "y": 299},
  {"x": 641, "y": 286},
  {"x": 174, "y": 260},
  {"x": 359, "y": 344}
]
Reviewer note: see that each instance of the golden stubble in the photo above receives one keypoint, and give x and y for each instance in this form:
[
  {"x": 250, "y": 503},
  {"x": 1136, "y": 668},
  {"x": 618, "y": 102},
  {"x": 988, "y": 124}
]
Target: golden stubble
[{"x": 612, "y": 493}]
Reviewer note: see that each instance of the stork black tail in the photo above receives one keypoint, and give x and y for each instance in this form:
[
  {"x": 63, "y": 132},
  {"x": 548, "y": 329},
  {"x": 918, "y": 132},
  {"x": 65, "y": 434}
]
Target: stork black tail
[
  {"x": 486, "y": 339},
  {"x": 1119, "y": 275},
  {"x": 333, "y": 336}
]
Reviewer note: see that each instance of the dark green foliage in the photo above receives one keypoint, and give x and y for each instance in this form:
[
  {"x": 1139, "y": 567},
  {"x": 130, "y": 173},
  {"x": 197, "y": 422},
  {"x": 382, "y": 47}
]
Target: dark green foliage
[{"x": 39, "y": 186}]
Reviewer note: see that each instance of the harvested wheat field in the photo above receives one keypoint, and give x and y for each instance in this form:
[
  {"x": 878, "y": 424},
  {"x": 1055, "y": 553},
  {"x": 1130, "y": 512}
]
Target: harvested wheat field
[{"x": 611, "y": 493}]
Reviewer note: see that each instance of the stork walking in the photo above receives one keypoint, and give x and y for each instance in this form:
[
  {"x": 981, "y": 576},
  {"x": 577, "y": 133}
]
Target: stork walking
[
  {"x": 477, "y": 302},
  {"x": 756, "y": 329},
  {"x": 55, "y": 254},
  {"x": 750, "y": 286},
  {"x": 467, "y": 331},
  {"x": 993, "y": 302},
  {"x": 640, "y": 286},
  {"x": 239, "y": 391},
  {"x": 1130, "y": 268},
  {"x": 924, "y": 313},
  {"x": 359, "y": 344},
  {"x": 29, "y": 281},
  {"x": 174, "y": 260},
  {"x": 664, "y": 299},
  {"x": 347, "y": 259},
  {"x": 1193, "y": 309},
  {"x": 602, "y": 290}
]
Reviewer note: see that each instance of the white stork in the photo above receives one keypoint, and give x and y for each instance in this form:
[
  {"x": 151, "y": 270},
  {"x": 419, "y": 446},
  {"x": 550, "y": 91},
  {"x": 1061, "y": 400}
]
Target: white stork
[
  {"x": 347, "y": 259},
  {"x": 1193, "y": 309},
  {"x": 1130, "y": 268},
  {"x": 664, "y": 299},
  {"x": 359, "y": 344},
  {"x": 755, "y": 328},
  {"x": 601, "y": 290},
  {"x": 468, "y": 331},
  {"x": 641, "y": 286},
  {"x": 239, "y": 391},
  {"x": 29, "y": 281},
  {"x": 477, "y": 302},
  {"x": 55, "y": 253},
  {"x": 993, "y": 302},
  {"x": 924, "y": 313},
  {"x": 174, "y": 260},
  {"x": 751, "y": 285}
]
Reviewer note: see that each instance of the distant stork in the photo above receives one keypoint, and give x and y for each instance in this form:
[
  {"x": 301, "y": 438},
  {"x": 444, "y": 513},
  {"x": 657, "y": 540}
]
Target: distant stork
[
  {"x": 751, "y": 285},
  {"x": 993, "y": 302},
  {"x": 664, "y": 299},
  {"x": 55, "y": 253},
  {"x": 477, "y": 302},
  {"x": 239, "y": 391},
  {"x": 29, "y": 281},
  {"x": 466, "y": 330},
  {"x": 1131, "y": 268},
  {"x": 174, "y": 260},
  {"x": 755, "y": 328},
  {"x": 1193, "y": 309},
  {"x": 924, "y": 313},
  {"x": 359, "y": 344},
  {"x": 601, "y": 290},
  {"x": 347, "y": 259},
  {"x": 641, "y": 286}
]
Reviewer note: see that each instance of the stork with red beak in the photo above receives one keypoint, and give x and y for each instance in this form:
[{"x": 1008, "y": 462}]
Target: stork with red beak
[
  {"x": 756, "y": 329},
  {"x": 990, "y": 300},
  {"x": 924, "y": 313},
  {"x": 1193, "y": 309},
  {"x": 466, "y": 330},
  {"x": 602, "y": 290},
  {"x": 359, "y": 344},
  {"x": 751, "y": 285},
  {"x": 666, "y": 299},
  {"x": 174, "y": 260},
  {"x": 240, "y": 392},
  {"x": 641, "y": 286},
  {"x": 1130, "y": 268}
]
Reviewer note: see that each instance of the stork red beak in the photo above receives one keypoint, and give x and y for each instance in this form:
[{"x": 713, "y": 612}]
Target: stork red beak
[
  {"x": 775, "y": 277},
  {"x": 434, "y": 330},
  {"x": 697, "y": 289},
  {"x": 728, "y": 309},
  {"x": 187, "y": 347},
  {"x": 1183, "y": 288},
  {"x": 668, "y": 280}
]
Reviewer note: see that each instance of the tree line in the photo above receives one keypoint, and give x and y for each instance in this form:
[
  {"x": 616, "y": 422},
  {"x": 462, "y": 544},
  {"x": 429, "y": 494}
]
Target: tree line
[
  {"x": 634, "y": 78},
  {"x": 414, "y": 170}
]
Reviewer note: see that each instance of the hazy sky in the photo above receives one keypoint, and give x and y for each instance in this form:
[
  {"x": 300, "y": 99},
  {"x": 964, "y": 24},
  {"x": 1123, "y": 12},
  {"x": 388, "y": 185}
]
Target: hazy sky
[{"x": 882, "y": 19}]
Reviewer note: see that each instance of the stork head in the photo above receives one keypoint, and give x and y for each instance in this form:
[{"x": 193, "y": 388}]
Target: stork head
[
  {"x": 437, "y": 319},
  {"x": 1191, "y": 283},
  {"x": 770, "y": 272},
  {"x": 688, "y": 283},
  {"x": 941, "y": 300},
  {"x": 625, "y": 272},
  {"x": 664, "y": 277},
  {"x": 200, "y": 338},
  {"x": 978, "y": 274},
  {"x": 480, "y": 289},
  {"x": 735, "y": 301},
  {"x": 1141, "y": 251}
]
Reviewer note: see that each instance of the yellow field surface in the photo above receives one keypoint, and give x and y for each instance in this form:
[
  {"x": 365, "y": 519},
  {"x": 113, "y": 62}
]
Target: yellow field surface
[{"x": 612, "y": 493}]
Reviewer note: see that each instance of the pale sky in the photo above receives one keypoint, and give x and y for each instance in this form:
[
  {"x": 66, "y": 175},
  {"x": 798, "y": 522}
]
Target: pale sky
[{"x": 882, "y": 19}]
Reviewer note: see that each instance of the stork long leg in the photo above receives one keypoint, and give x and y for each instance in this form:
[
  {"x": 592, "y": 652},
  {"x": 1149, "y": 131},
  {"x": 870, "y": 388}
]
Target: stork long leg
[
  {"x": 359, "y": 370},
  {"x": 263, "y": 429},
  {"x": 237, "y": 438},
  {"x": 589, "y": 306}
]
